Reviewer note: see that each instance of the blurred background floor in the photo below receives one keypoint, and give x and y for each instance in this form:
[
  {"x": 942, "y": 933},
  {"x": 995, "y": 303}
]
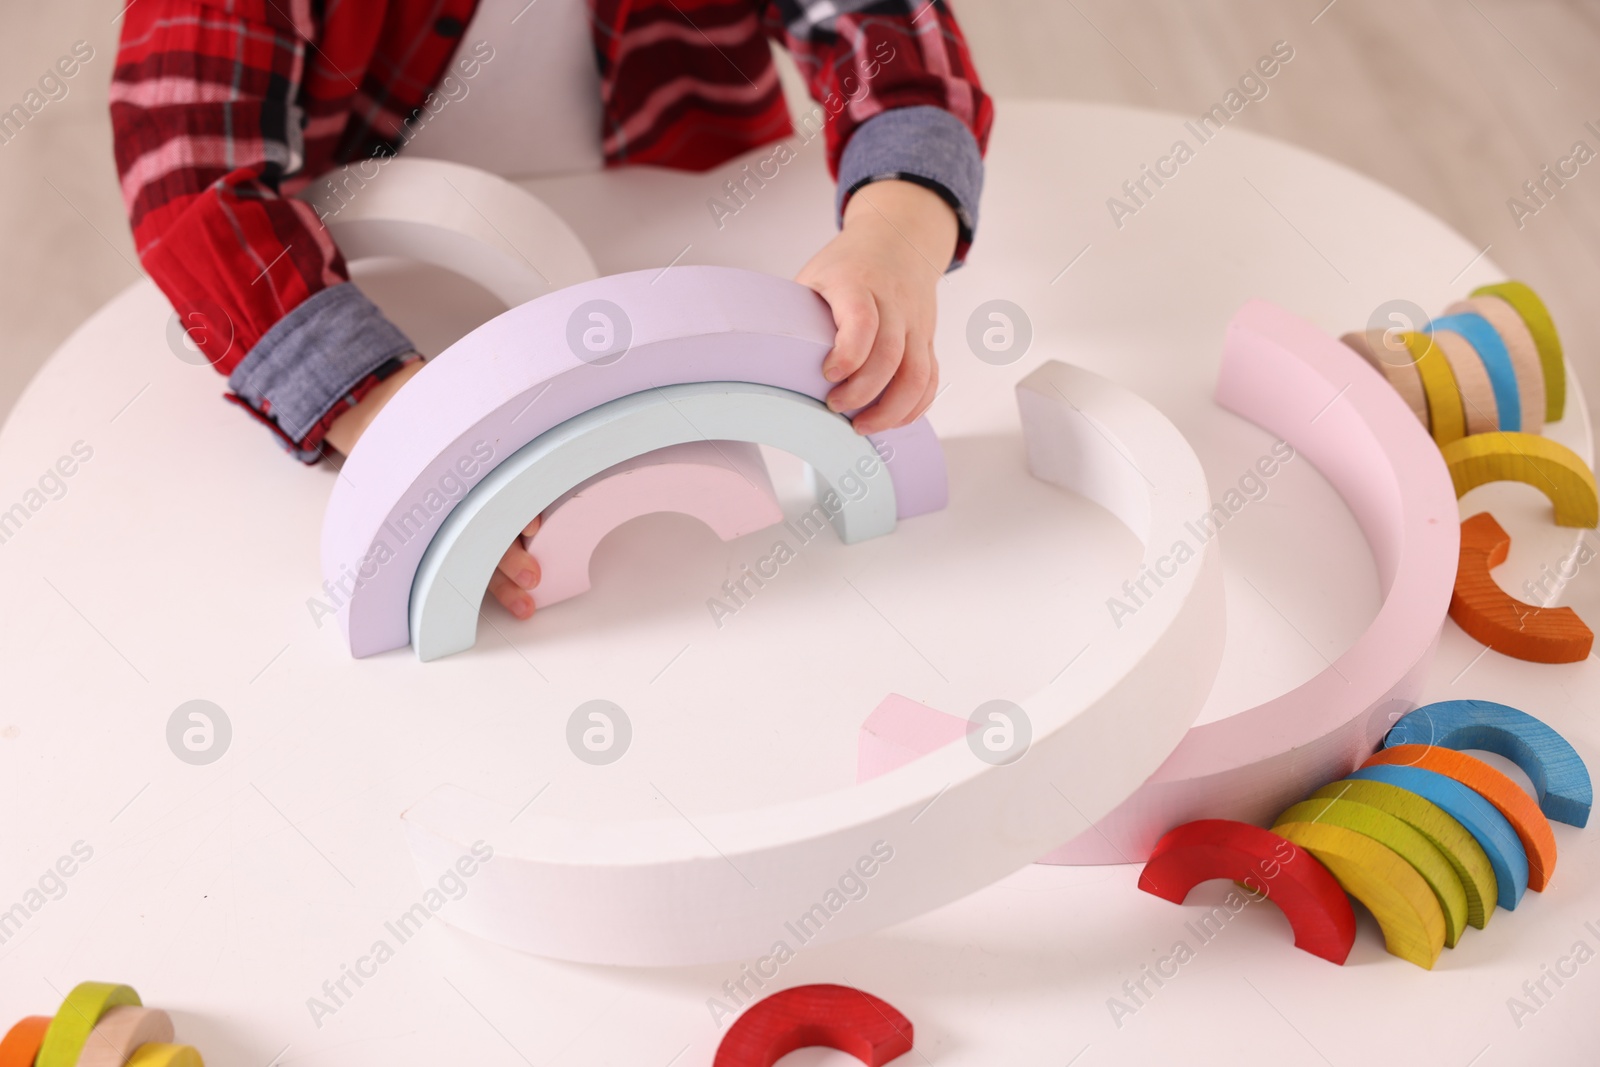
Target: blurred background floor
[{"x": 1455, "y": 103}]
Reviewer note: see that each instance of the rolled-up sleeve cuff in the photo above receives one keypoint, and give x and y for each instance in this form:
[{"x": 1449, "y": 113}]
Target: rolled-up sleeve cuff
[
  {"x": 316, "y": 363},
  {"x": 925, "y": 145}
]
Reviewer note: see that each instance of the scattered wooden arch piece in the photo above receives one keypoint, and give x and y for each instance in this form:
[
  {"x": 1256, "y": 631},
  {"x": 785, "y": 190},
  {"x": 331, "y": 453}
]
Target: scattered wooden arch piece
[
  {"x": 724, "y": 484},
  {"x": 1496, "y": 618},
  {"x": 1453, "y": 840},
  {"x": 1526, "y": 303},
  {"x": 454, "y": 574},
  {"x": 463, "y": 219},
  {"x": 161, "y": 1054},
  {"x": 76, "y": 1019},
  {"x": 1520, "y": 810},
  {"x": 1398, "y": 897},
  {"x": 1267, "y": 864},
  {"x": 1519, "y": 346},
  {"x": 20, "y": 1046},
  {"x": 1446, "y": 416},
  {"x": 1474, "y": 388},
  {"x": 1554, "y": 767},
  {"x": 816, "y": 1016},
  {"x": 1494, "y": 833},
  {"x": 1549, "y": 466},
  {"x": 1496, "y": 359},
  {"x": 517, "y": 376},
  {"x": 1401, "y": 839},
  {"x": 1399, "y": 368},
  {"x": 120, "y": 1031},
  {"x": 1295, "y": 381}
]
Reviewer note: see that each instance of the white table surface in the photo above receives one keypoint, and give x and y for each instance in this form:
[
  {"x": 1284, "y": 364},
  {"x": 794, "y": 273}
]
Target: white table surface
[{"x": 179, "y": 561}]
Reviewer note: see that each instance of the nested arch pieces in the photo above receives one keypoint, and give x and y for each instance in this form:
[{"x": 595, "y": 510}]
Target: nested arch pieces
[
  {"x": 1557, "y": 772},
  {"x": 588, "y": 889},
  {"x": 1526, "y": 303},
  {"x": 516, "y": 377},
  {"x": 1493, "y": 616},
  {"x": 455, "y": 571},
  {"x": 816, "y": 1016},
  {"x": 1310, "y": 898}
]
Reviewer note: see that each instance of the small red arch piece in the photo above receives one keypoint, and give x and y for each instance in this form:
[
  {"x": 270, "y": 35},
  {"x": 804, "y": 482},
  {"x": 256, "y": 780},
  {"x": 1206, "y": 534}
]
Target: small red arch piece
[
  {"x": 1272, "y": 866},
  {"x": 816, "y": 1016}
]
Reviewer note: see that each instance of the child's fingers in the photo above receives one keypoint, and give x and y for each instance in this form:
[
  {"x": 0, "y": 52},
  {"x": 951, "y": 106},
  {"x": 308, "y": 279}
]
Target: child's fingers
[
  {"x": 888, "y": 349},
  {"x": 519, "y": 566},
  {"x": 903, "y": 394},
  {"x": 532, "y": 527},
  {"x": 511, "y": 596},
  {"x": 929, "y": 394},
  {"x": 855, "y": 314}
]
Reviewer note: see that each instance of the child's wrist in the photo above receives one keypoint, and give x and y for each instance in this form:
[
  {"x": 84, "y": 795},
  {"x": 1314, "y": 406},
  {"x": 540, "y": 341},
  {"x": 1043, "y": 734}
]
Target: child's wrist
[
  {"x": 909, "y": 211},
  {"x": 347, "y": 429}
]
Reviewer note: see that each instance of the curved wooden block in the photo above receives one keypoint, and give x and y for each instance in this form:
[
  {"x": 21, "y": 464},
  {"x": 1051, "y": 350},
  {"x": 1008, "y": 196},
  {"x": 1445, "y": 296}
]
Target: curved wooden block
[
  {"x": 1557, "y": 772},
  {"x": 1491, "y": 351},
  {"x": 816, "y": 1016},
  {"x": 1399, "y": 369},
  {"x": 1518, "y": 342},
  {"x": 1549, "y": 466},
  {"x": 1446, "y": 416},
  {"x": 724, "y": 484},
  {"x": 166, "y": 1055},
  {"x": 1298, "y": 383},
  {"x": 1459, "y": 848},
  {"x": 454, "y": 574},
  {"x": 76, "y": 1019},
  {"x": 596, "y": 890},
  {"x": 1401, "y": 839},
  {"x": 1481, "y": 819},
  {"x": 122, "y": 1030},
  {"x": 454, "y": 216},
  {"x": 1267, "y": 864},
  {"x": 1526, "y": 303},
  {"x": 1519, "y": 809},
  {"x": 20, "y": 1046},
  {"x": 1406, "y": 909},
  {"x": 1473, "y": 385},
  {"x": 1493, "y": 616},
  {"x": 517, "y": 376}
]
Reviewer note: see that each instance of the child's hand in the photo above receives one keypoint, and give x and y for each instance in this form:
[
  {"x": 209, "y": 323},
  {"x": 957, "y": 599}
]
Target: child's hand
[
  {"x": 880, "y": 276},
  {"x": 518, "y": 572}
]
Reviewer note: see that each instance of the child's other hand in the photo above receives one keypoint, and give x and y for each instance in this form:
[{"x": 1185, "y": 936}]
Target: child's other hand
[
  {"x": 518, "y": 572},
  {"x": 880, "y": 276}
]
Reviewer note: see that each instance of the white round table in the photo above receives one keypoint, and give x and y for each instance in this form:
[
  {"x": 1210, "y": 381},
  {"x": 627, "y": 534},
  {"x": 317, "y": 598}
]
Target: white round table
[{"x": 179, "y": 562}]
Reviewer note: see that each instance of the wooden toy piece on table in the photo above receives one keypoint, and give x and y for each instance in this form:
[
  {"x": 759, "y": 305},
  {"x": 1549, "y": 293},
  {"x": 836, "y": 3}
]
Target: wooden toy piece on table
[
  {"x": 76, "y": 1019},
  {"x": 1397, "y": 365},
  {"x": 1548, "y": 466},
  {"x": 1495, "y": 358},
  {"x": 1398, "y": 897},
  {"x": 1459, "y": 848},
  {"x": 900, "y": 730},
  {"x": 724, "y": 484},
  {"x": 1528, "y": 307},
  {"x": 1493, "y": 616},
  {"x": 1404, "y": 841},
  {"x": 1266, "y": 864},
  {"x": 1519, "y": 809},
  {"x": 165, "y": 1055},
  {"x": 1474, "y": 389},
  {"x": 816, "y": 1016},
  {"x": 1446, "y": 416},
  {"x": 20, "y": 1046},
  {"x": 1559, "y": 777},
  {"x": 454, "y": 573},
  {"x": 1524, "y": 354},
  {"x": 1494, "y": 834},
  {"x": 122, "y": 1030}
]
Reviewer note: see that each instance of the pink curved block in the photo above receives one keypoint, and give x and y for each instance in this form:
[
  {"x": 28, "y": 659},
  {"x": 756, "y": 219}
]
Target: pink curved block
[
  {"x": 898, "y": 731},
  {"x": 520, "y": 374},
  {"x": 724, "y": 484}
]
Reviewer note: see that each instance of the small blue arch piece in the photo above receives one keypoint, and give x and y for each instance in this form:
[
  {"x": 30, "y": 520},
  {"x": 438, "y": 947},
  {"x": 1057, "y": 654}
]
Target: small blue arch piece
[
  {"x": 1471, "y": 810},
  {"x": 1557, "y": 772},
  {"x": 1491, "y": 349}
]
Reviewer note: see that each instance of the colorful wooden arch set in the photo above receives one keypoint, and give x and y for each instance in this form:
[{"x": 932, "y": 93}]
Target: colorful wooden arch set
[
  {"x": 99, "y": 1024},
  {"x": 1428, "y": 837}
]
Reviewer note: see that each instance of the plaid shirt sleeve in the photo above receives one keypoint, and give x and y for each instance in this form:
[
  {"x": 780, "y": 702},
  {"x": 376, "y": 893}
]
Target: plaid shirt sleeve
[
  {"x": 206, "y": 128},
  {"x": 898, "y": 94}
]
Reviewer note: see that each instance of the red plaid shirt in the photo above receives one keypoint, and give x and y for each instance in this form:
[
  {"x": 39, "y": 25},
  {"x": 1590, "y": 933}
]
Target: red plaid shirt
[{"x": 223, "y": 109}]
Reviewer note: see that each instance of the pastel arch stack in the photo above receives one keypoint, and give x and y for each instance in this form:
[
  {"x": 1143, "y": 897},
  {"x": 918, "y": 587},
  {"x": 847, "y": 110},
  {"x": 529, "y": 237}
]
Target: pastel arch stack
[
  {"x": 99, "y": 1024},
  {"x": 1430, "y": 838}
]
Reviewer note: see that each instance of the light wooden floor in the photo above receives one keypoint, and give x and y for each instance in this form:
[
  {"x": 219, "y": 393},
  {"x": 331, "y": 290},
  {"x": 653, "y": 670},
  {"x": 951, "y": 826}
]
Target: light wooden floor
[{"x": 1455, "y": 103}]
